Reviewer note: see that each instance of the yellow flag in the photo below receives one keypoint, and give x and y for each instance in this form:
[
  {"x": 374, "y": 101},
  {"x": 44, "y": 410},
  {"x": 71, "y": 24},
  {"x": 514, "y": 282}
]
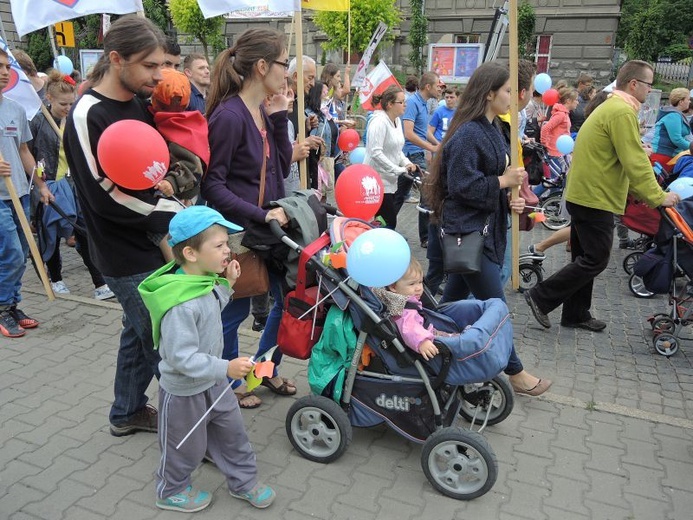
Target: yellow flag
[
  {"x": 326, "y": 5},
  {"x": 252, "y": 381}
]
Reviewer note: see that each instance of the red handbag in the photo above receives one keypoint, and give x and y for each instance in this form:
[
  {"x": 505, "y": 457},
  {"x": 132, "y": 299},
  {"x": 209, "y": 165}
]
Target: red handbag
[{"x": 302, "y": 319}]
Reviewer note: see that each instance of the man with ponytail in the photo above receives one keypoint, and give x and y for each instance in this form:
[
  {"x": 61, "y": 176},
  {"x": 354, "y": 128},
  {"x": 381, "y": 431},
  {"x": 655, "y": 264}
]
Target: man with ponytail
[{"x": 118, "y": 220}]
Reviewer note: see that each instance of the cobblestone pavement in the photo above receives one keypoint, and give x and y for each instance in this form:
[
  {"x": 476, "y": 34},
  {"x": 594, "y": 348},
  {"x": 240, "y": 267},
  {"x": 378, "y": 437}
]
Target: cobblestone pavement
[{"x": 611, "y": 440}]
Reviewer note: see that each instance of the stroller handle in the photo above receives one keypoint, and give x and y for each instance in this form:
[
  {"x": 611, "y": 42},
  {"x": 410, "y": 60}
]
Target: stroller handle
[{"x": 276, "y": 229}]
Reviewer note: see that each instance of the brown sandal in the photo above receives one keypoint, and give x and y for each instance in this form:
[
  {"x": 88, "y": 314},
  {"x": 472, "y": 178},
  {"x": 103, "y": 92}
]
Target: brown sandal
[
  {"x": 248, "y": 400},
  {"x": 287, "y": 387}
]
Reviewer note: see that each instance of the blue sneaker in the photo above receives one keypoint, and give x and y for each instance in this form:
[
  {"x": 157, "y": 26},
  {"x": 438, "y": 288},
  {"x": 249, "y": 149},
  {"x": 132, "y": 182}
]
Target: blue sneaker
[
  {"x": 260, "y": 496},
  {"x": 188, "y": 501}
]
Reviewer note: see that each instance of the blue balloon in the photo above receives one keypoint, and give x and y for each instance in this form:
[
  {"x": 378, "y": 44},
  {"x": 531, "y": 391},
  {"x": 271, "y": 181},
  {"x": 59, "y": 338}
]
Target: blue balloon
[
  {"x": 357, "y": 155},
  {"x": 542, "y": 82},
  {"x": 683, "y": 186},
  {"x": 378, "y": 257},
  {"x": 565, "y": 144},
  {"x": 63, "y": 64},
  {"x": 441, "y": 103}
]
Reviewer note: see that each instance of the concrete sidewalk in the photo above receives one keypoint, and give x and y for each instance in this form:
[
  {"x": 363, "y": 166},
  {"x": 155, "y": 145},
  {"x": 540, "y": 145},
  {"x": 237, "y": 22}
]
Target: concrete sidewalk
[{"x": 612, "y": 440}]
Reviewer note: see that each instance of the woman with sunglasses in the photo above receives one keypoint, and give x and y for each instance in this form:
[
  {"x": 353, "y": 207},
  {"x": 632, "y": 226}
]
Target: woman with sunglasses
[{"x": 247, "y": 113}]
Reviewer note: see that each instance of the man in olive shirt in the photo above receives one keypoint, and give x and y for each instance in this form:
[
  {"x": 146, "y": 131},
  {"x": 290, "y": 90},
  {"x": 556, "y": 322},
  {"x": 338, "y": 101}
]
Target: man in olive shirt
[{"x": 608, "y": 163}]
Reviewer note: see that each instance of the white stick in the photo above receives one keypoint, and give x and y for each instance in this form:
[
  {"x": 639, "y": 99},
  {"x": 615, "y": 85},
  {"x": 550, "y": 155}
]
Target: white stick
[{"x": 209, "y": 410}]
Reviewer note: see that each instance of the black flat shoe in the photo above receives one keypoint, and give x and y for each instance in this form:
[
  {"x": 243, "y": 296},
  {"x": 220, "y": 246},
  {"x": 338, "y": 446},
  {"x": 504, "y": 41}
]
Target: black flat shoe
[{"x": 592, "y": 324}]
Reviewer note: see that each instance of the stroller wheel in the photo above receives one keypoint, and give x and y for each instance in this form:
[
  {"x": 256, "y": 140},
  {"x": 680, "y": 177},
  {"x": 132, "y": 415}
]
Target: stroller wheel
[
  {"x": 637, "y": 287},
  {"x": 666, "y": 344},
  {"x": 501, "y": 401},
  {"x": 552, "y": 210},
  {"x": 318, "y": 428},
  {"x": 459, "y": 463},
  {"x": 530, "y": 275},
  {"x": 662, "y": 324},
  {"x": 630, "y": 260}
]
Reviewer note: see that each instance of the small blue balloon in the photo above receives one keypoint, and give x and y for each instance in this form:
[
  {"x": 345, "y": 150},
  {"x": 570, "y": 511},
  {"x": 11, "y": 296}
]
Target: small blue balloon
[
  {"x": 565, "y": 144},
  {"x": 542, "y": 82},
  {"x": 683, "y": 186},
  {"x": 63, "y": 64},
  {"x": 378, "y": 257},
  {"x": 357, "y": 155}
]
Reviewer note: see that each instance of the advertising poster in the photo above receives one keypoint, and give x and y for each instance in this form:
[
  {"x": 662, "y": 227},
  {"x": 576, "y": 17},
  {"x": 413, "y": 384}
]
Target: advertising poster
[{"x": 455, "y": 62}]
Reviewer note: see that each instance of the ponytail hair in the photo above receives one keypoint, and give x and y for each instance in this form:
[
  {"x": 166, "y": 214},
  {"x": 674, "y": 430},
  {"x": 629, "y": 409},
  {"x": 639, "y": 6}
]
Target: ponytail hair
[
  {"x": 128, "y": 36},
  {"x": 387, "y": 97},
  {"x": 234, "y": 66}
]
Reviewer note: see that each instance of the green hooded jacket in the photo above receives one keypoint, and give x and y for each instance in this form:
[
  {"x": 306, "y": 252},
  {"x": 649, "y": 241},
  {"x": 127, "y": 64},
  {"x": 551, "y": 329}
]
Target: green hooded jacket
[{"x": 164, "y": 289}]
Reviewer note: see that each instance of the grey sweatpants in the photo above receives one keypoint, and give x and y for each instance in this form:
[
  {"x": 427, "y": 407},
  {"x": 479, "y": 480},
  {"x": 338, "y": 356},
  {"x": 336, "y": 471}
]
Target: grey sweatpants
[{"x": 221, "y": 435}]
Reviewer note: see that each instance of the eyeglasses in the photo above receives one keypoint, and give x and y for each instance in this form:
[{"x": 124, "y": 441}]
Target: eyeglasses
[
  {"x": 643, "y": 82},
  {"x": 284, "y": 64}
]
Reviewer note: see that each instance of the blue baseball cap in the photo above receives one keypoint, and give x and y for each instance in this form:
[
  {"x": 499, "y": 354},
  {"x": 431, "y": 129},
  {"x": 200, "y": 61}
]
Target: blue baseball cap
[{"x": 194, "y": 220}]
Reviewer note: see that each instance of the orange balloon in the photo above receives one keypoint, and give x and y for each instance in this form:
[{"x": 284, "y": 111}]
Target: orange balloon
[{"x": 133, "y": 154}]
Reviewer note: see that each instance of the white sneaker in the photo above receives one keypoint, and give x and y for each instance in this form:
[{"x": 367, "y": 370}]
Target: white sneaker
[
  {"x": 60, "y": 287},
  {"x": 103, "y": 293}
]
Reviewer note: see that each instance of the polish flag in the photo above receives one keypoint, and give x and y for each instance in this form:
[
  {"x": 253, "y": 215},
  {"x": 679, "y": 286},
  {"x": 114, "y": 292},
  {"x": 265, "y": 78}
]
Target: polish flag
[{"x": 375, "y": 84}]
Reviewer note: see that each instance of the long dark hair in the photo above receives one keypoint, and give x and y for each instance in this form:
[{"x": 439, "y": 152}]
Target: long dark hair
[
  {"x": 489, "y": 77},
  {"x": 128, "y": 36},
  {"x": 234, "y": 66},
  {"x": 314, "y": 98}
]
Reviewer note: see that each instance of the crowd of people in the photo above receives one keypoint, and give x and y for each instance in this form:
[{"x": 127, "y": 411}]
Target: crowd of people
[{"x": 232, "y": 135}]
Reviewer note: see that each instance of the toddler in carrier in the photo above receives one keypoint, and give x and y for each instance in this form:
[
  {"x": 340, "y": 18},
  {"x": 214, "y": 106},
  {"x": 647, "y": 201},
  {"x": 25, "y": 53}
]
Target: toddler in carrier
[
  {"x": 477, "y": 333},
  {"x": 186, "y": 135}
]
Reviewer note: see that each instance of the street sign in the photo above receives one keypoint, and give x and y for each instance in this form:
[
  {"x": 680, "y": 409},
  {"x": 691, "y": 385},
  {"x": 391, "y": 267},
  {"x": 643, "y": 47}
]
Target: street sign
[{"x": 65, "y": 34}]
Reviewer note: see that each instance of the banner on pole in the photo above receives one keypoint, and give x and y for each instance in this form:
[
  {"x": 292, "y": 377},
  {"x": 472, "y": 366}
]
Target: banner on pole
[
  {"x": 326, "y": 5},
  {"x": 360, "y": 76},
  {"x": 375, "y": 84},
  {"x": 19, "y": 88},
  {"x": 212, "y": 8},
  {"x": 31, "y": 15}
]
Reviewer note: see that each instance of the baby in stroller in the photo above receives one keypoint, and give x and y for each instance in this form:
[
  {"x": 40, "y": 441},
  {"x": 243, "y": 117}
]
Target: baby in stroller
[{"x": 478, "y": 355}]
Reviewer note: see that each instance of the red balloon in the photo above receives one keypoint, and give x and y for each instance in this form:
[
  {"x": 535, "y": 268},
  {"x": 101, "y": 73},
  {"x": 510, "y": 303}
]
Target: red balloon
[
  {"x": 359, "y": 192},
  {"x": 348, "y": 140},
  {"x": 550, "y": 97},
  {"x": 133, "y": 154}
]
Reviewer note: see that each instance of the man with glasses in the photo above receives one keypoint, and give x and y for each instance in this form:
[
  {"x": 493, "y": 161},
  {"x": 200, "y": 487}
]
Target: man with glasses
[{"x": 608, "y": 163}]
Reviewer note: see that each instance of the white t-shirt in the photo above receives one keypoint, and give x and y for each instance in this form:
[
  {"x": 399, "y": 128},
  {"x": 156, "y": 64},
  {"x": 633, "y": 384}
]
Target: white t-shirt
[{"x": 14, "y": 130}]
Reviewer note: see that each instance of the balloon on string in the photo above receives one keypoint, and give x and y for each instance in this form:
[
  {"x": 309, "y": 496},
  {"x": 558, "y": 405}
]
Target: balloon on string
[
  {"x": 683, "y": 186},
  {"x": 550, "y": 97},
  {"x": 542, "y": 82},
  {"x": 357, "y": 155},
  {"x": 348, "y": 140},
  {"x": 378, "y": 257},
  {"x": 359, "y": 192},
  {"x": 565, "y": 144},
  {"x": 133, "y": 154},
  {"x": 63, "y": 64}
]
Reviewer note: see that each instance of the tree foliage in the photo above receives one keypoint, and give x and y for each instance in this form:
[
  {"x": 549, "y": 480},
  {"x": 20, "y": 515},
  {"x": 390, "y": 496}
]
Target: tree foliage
[
  {"x": 365, "y": 17},
  {"x": 526, "y": 21},
  {"x": 418, "y": 35},
  {"x": 187, "y": 17},
  {"x": 157, "y": 12},
  {"x": 653, "y": 28},
  {"x": 39, "y": 48}
]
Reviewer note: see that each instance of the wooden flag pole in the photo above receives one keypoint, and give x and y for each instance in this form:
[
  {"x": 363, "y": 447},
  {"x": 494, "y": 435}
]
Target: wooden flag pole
[
  {"x": 29, "y": 237},
  {"x": 514, "y": 139},
  {"x": 301, "y": 97}
]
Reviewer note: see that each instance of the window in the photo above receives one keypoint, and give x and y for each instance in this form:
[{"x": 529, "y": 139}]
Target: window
[
  {"x": 542, "y": 55},
  {"x": 467, "y": 38}
]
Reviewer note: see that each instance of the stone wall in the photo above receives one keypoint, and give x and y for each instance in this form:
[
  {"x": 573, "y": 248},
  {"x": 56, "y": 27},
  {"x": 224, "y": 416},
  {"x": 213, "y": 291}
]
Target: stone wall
[{"x": 13, "y": 39}]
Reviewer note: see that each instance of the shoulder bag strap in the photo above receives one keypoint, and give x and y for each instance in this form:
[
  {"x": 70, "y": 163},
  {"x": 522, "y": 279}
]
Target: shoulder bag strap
[{"x": 261, "y": 196}]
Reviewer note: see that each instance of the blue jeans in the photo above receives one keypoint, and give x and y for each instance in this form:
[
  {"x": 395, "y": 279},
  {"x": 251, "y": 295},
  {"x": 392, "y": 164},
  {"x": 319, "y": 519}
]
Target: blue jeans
[
  {"x": 484, "y": 284},
  {"x": 137, "y": 360},
  {"x": 14, "y": 249},
  {"x": 434, "y": 254},
  {"x": 238, "y": 310}
]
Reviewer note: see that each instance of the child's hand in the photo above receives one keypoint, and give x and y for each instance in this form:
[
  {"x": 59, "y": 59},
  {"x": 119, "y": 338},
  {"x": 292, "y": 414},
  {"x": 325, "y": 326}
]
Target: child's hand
[
  {"x": 232, "y": 272},
  {"x": 427, "y": 349},
  {"x": 165, "y": 187},
  {"x": 239, "y": 368}
]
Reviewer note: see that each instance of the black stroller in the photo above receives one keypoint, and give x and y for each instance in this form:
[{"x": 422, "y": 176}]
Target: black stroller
[{"x": 396, "y": 388}]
